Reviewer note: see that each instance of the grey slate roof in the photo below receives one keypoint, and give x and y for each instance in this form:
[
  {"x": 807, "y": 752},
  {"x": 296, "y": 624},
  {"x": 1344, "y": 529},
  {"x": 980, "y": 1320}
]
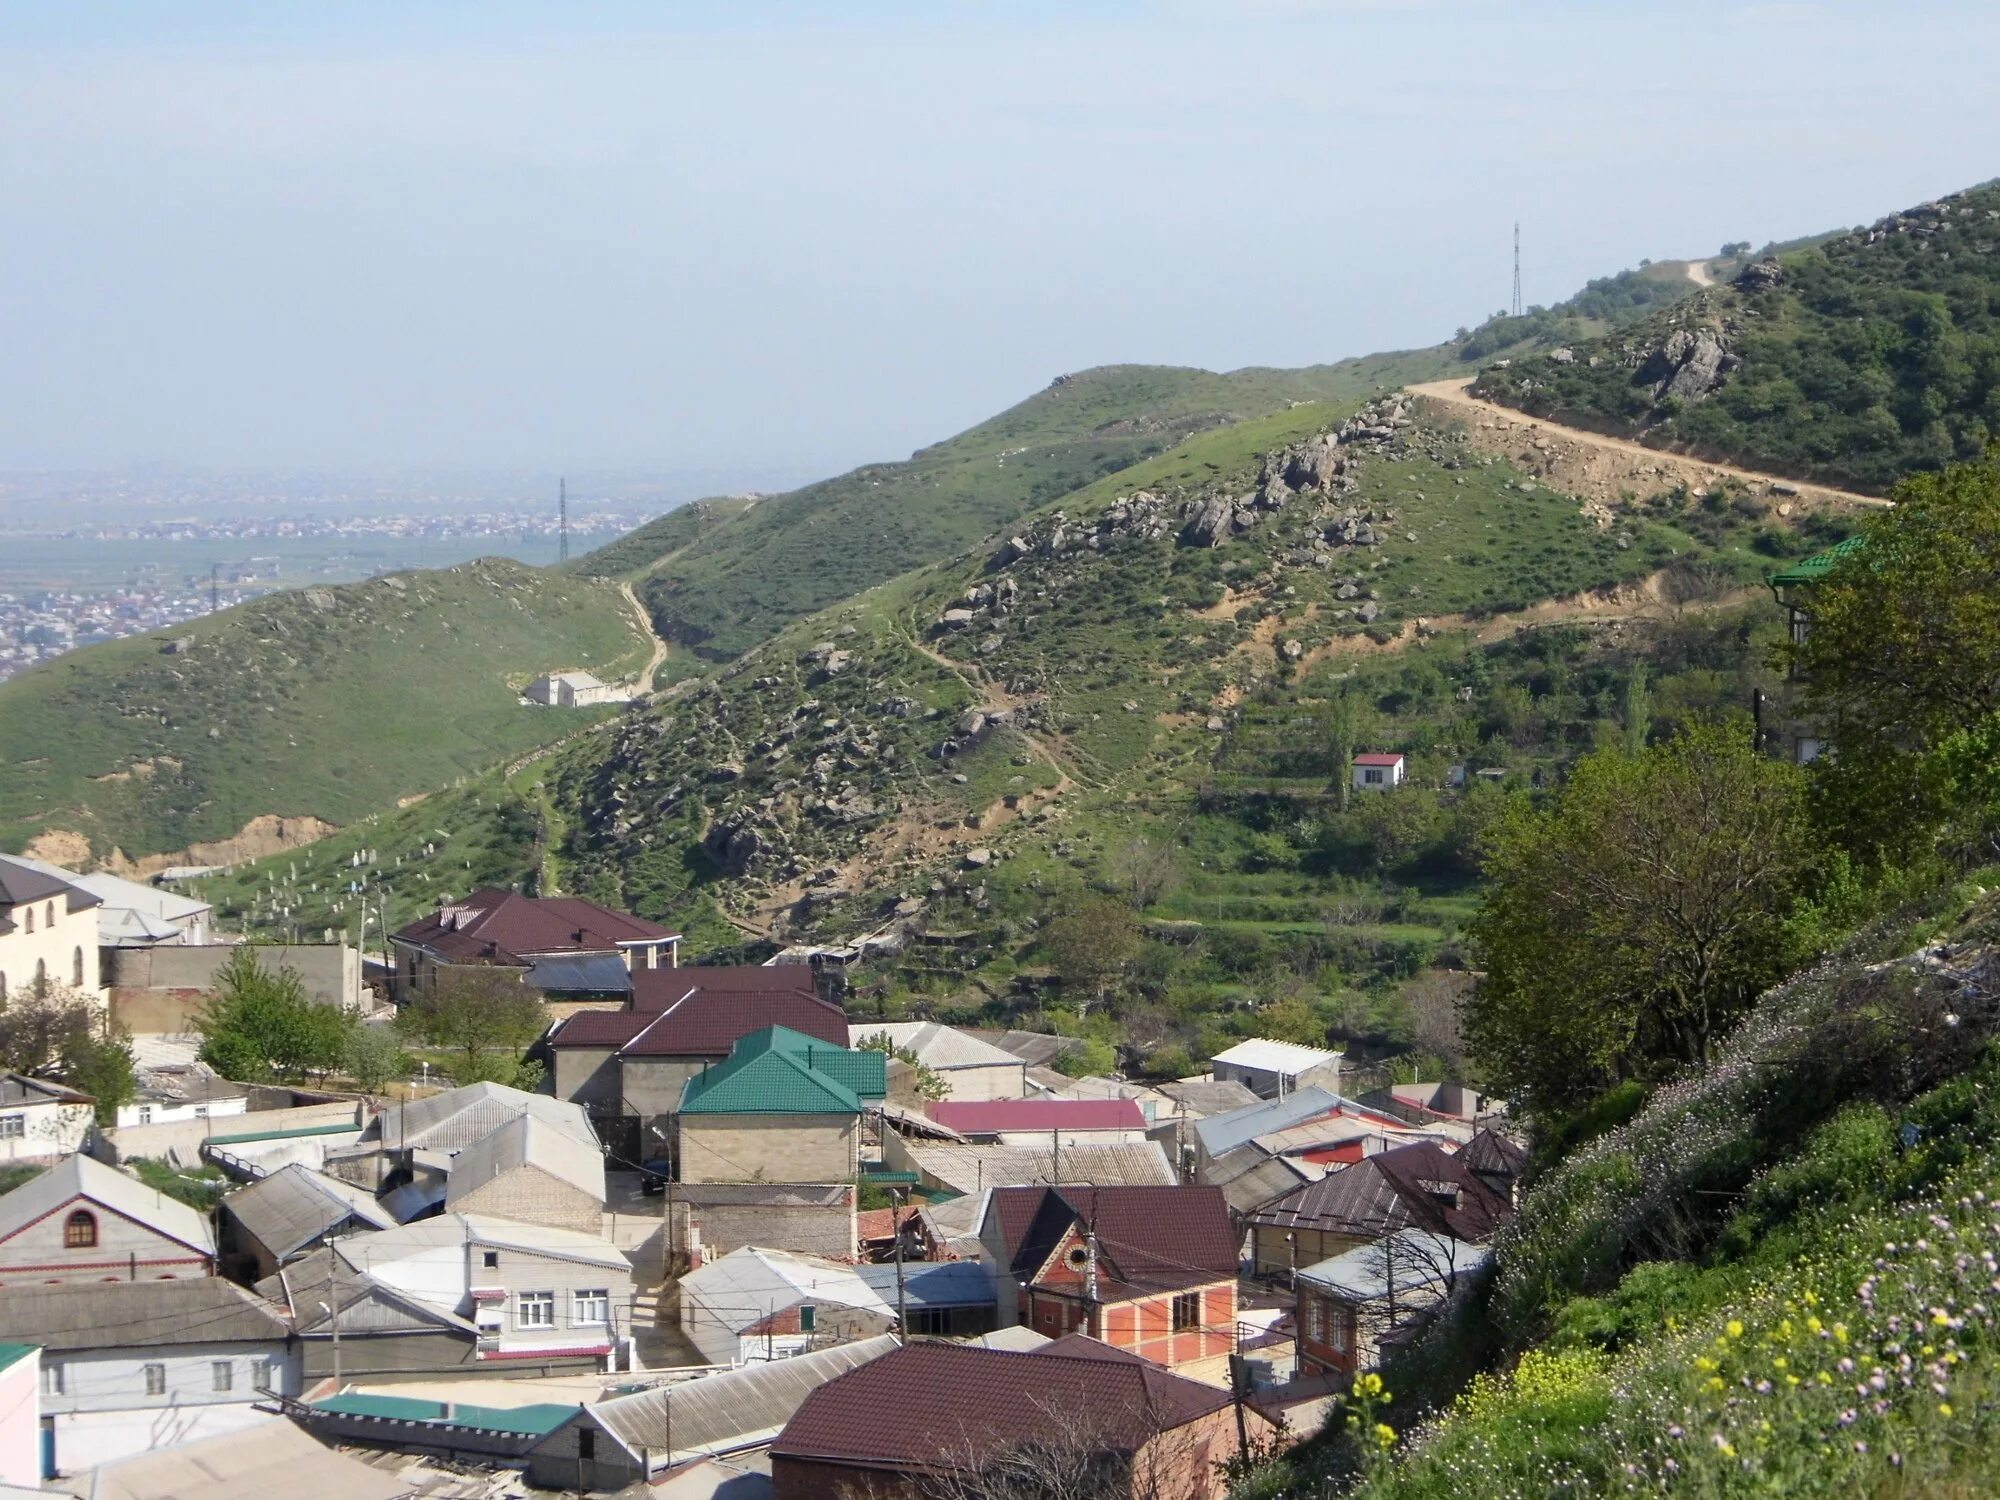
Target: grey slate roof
[
  {"x": 1249, "y": 1178},
  {"x": 457, "y": 1118},
  {"x": 1200, "y": 1098},
  {"x": 727, "y": 1410},
  {"x": 296, "y": 1205},
  {"x": 106, "y": 1187},
  {"x": 934, "y": 1045},
  {"x": 967, "y": 1169},
  {"x": 1225, "y": 1132},
  {"x": 138, "y": 1314}
]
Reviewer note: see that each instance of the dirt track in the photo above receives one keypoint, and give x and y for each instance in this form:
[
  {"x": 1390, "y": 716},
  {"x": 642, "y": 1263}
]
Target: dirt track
[{"x": 1601, "y": 470}]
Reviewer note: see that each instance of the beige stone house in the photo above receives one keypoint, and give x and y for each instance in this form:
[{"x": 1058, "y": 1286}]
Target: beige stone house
[
  {"x": 529, "y": 1171},
  {"x": 82, "y": 1221},
  {"x": 785, "y": 1107},
  {"x": 48, "y": 931}
]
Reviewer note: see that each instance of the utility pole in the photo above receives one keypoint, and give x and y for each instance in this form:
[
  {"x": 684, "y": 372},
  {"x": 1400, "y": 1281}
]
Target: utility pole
[
  {"x": 1055, "y": 1143},
  {"x": 562, "y": 485},
  {"x": 1517, "y": 277},
  {"x": 902, "y": 1301},
  {"x": 1090, "y": 1277},
  {"x": 333, "y": 1306}
]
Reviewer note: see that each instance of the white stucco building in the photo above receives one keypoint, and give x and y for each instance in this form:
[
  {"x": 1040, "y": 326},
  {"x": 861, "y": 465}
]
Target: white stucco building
[{"x": 48, "y": 932}]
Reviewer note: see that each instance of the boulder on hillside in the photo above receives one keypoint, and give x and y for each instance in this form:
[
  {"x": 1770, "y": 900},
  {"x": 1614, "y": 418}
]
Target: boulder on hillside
[
  {"x": 1760, "y": 275},
  {"x": 1209, "y": 525},
  {"x": 1688, "y": 366}
]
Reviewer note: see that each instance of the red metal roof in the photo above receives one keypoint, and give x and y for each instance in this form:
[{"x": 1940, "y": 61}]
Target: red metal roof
[
  {"x": 656, "y": 989},
  {"x": 1374, "y": 758},
  {"x": 707, "y": 1023},
  {"x": 1151, "y": 1239},
  {"x": 991, "y": 1116},
  {"x": 1386, "y": 1192},
  {"x": 496, "y": 926},
  {"x": 931, "y": 1407}
]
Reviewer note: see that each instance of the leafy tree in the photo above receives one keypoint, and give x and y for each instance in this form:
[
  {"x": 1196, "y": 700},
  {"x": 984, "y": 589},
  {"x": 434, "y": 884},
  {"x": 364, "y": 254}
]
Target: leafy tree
[
  {"x": 258, "y": 1024},
  {"x": 1091, "y": 946},
  {"x": 483, "y": 1014},
  {"x": 1146, "y": 870},
  {"x": 60, "y": 1034},
  {"x": 1632, "y": 919},
  {"x": 1292, "y": 1019},
  {"x": 373, "y": 1056},
  {"x": 926, "y": 1081}
]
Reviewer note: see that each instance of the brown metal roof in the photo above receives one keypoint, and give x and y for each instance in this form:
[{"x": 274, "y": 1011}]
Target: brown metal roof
[
  {"x": 496, "y": 926},
  {"x": 656, "y": 989},
  {"x": 1149, "y": 1239},
  {"x": 1386, "y": 1192},
  {"x": 934, "y": 1406}
]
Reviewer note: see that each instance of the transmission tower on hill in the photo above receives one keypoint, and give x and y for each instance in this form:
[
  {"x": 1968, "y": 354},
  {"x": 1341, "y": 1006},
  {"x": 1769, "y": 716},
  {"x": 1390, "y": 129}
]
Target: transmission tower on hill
[
  {"x": 562, "y": 514},
  {"x": 1517, "y": 268}
]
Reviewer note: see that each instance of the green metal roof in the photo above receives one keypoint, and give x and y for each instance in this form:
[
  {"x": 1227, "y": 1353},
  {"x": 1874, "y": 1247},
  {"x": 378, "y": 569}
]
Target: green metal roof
[
  {"x": 1818, "y": 565},
  {"x": 538, "y": 1419},
  {"x": 778, "y": 1071},
  {"x": 280, "y": 1135},
  {"x": 14, "y": 1353}
]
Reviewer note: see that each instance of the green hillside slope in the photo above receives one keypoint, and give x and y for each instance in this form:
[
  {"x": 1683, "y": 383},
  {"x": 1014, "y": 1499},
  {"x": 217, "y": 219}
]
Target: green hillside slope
[
  {"x": 324, "y": 703},
  {"x": 793, "y": 554},
  {"x": 639, "y": 550},
  {"x": 1851, "y": 361}
]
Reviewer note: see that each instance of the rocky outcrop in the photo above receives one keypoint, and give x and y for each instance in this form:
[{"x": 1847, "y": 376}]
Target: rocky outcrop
[
  {"x": 1760, "y": 276},
  {"x": 1690, "y": 365}
]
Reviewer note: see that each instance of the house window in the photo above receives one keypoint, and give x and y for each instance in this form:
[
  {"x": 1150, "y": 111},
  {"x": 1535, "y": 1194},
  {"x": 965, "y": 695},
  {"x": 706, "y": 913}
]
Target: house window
[
  {"x": 3, "y": 985},
  {"x": 1187, "y": 1311},
  {"x": 535, "y": 1310},
  {"x": 590, "y": 1307},
  {"x": 145, "y": 1114},
  {"x": 806, "y": 1318},
  {"x": 1372, "y": 776},
  {"x": 76, "y": 969},
  {"x": 156, "y": 1380},
  {"x": 30, "y": 915},
  {"x": 223, "y": 1374},
  {"x": 41, "y": 976},
  {"x": 935, "y": 1321},
  {"x": 1315, "y": 1320},
  {"x": 80, "y": 1231},
  {"x": 1340, "y": 1332},
  {"x": 52, "y": 1380},
  {"x": 586, "y": 1444},
  {"x": 49, "y": 915},
  {"x": 13, "y": 1127},
  {"x": 490, "y": 1260}
]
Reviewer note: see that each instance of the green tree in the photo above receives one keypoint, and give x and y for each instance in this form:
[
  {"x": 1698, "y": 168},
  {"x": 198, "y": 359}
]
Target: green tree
[
  {"x": 62, "y": 1035},
  {"x": 259, "y": 1024},
  {"x": 482, "y": 1014},
  {"x": 373, "y": 1056},
  {"x": 1091, "y": 946},
  {"x": 925, "y": 1081},
  {"x": 1292, "y": 1019},
  {"x": 1637, "y": 710},
  {"x": 1632, "y": 919}
]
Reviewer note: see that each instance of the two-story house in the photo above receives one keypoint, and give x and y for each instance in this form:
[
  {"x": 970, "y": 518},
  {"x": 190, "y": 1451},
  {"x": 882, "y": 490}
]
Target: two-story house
[
  {"x": 81, "y": 1221},
  {"x": 460, "y": 1292},
  {"x": 784, "y": 1107},
  {"x": 40, "y": 1119},
  {"x": 137, "y": 1365},
  {"x": 48, "y": 932},
  {"x": 572, "y": 951},
  {"x": 1151, "y": 1270}
]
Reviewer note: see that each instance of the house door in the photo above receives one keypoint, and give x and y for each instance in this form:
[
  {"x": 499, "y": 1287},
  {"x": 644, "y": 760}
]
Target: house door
[{"x": 48, "y": 1447}]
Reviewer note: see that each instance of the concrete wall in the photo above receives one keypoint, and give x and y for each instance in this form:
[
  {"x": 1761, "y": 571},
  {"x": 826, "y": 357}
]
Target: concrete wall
[
  {"x": 88, "y": 1438},
  {"x": 186, "y": 1137},
  {"x": 402, "y": 1354},
  {"x": 532, "y": 1196},
  {"x": 125, "y": 1251},
  {"x": 62, "y": 941},
  {"x": 769, "y": 1148},
  {"x": 799, "y": 1228},
  {"x": 21, "y": 1421},
  {"x": 651, "y": 1089},
  {"x": 47, "y": 1130},
  {"x": 161, "y": 990},
  {"x": 1271, "y": 1256},
  {"x": 587, "y": 1076}
]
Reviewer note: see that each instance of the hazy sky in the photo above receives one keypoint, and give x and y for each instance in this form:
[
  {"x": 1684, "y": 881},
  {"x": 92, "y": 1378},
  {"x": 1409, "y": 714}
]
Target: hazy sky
[{"x": 756, "y": 235}]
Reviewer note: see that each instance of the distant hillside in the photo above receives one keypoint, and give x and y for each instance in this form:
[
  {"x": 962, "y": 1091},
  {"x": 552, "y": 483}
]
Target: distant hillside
[
  {"x": 733, "y": 585},
  {"x": 313, "y": 704},
  {"x": 660, "y": 538},
  {"x": 1855, "y": 360}
]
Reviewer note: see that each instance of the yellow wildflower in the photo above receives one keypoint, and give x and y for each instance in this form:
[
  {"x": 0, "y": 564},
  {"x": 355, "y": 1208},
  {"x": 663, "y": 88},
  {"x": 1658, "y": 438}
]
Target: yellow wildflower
[
  {"x": 1735, "y": 1328},
  {"x": 1944, "y": 1408},
  {"x": 1385, "y": 1436}
]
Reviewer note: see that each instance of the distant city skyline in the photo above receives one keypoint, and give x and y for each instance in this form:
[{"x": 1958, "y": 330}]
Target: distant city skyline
[{"x": 788, "y": 238}]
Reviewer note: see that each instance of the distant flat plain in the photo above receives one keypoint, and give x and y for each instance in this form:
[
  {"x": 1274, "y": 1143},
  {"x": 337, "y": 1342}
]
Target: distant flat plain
[{"x": 84, "y": 565}]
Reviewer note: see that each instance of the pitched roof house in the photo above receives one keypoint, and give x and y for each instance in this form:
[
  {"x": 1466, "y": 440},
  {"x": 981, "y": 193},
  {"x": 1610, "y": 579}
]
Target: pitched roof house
[
  {"x": 1353, "y": 1306},
  {"x": 1272, "y": 1069},
  {"x": 505, "y": 928},
  {"x": 278, "y": 1218},
  {"x": 48, "y": 930},
  {"x": 1149, "y": 1269},
  {"x": 42, "y": 1119},
  {"x": 960, "y": 1167},
  {"x": 1026, "y": 1122},
  {"x": 530, "y": 1171},
  {"x": 970, "y": 1067},
  {"x": 784, "y": 1107},
  {"x": 461, "y": 1117},
  {"x": 1419, "y": 1186},
  {"x": 83, "y": 1221},
  {"x": 930, "y": 1410}
]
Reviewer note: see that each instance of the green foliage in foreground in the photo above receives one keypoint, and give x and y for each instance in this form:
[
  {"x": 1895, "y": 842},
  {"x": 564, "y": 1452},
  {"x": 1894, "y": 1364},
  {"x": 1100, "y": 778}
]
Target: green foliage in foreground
[{"x": 259, "y": 1024}]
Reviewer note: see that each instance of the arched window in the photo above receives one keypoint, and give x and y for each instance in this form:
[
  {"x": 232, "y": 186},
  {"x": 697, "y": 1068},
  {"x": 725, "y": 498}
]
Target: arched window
[
  {"x": 80, "y": 1230},
  {"x": 28, "y": 915},
  {"x": 3, "y": 986},
  {"x": 41, "y": 976},
  {"x": 49, "y": 915},
  {"x": 76, "y": 968}
]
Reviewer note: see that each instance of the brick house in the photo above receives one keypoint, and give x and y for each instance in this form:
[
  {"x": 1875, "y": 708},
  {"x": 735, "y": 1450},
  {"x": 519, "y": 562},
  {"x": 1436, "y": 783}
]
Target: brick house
[
  {"x": 533, "y": 1173},
  {"x": 1107, "y": 1421},
  {"x": 1419, "y": 1186},
  {"x": 570, "y": 950},
  {"x": 784, "y": 1107},
  {"x": 83, "y": 1221},
  {"x": 1152, "y": 1270}
]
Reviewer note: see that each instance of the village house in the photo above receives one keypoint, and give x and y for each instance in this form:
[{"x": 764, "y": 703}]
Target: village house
[
  {"x": 643, "y": 1437},
  {"x": 1377, "y": 771},
  {"x": 460, "y": 1292},
  {"x": 758, "y": 1304},
  {"x": 40, "y": 1120},
  {"x": 968, "y": 1067},
  {"x": 1217, "y": 1135},
  {"x": 48, "y": 932},
  {"x": 952, "y": 1166},
  {"x": 784, "y": 1107},
  {"x": 1036, "y": 1122},
  {"x": 707, "y": 1220},
  {"x": 1271, "y": 1070},
  {"x": 898, "y": 1425},
  {"x": 241, "y": 1465},
  {"x": 574, "y": 688},
  {"x": 407, "y": 1151},
  {"x": 1420, "y": 1102},
  {"x": 629, "y": 1067},
  {"x": 1782, "y": 728},
  {"x": 171, "y": 1092},
  {"x": 1496, "y": 1161},
  {"x": 565, "y": 948},
  {"x": 1152, "y": 1270},
  {"x": 277, "y": 1219},
  {"x": 1354, "y": 1306},
  {"x": 134, "y": 915},
  {"x": 145, "y": 1364},
  {"x": 81, "y": 1221},
  {"x": 1421, "y": 1186},
  {"x": 530, "y": 1171}
]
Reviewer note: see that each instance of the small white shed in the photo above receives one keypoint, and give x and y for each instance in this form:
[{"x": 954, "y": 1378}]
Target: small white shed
[{"x": 1375, "y": 772}]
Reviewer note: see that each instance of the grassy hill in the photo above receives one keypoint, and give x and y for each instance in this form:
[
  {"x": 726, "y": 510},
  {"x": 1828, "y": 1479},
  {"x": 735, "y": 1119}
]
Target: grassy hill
[
  {"x": 1853, "y": 360},
  {"x": 790, "y": 555},
  {"x": 323, "y": 703}
]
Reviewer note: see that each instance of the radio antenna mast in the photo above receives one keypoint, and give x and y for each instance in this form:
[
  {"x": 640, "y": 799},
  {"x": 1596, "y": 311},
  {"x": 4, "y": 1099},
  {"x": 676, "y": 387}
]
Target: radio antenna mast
[{"x": 1517, "y": 268}]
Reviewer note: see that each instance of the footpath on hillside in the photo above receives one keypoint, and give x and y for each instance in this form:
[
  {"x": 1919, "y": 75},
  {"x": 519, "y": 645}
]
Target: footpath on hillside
[{"x": 1600, "y": 471}]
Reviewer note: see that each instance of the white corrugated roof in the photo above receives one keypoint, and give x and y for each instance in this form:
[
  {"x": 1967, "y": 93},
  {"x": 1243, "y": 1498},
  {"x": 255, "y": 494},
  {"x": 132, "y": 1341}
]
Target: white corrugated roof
[
  {"x": 1408, "y": 1258},
  {"x": 1275, "y": 1057},
  {"x": 459, "y": 1117},
  {"x": 749, "y": 1284},
  {"x": 935, "y": 1045}
]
